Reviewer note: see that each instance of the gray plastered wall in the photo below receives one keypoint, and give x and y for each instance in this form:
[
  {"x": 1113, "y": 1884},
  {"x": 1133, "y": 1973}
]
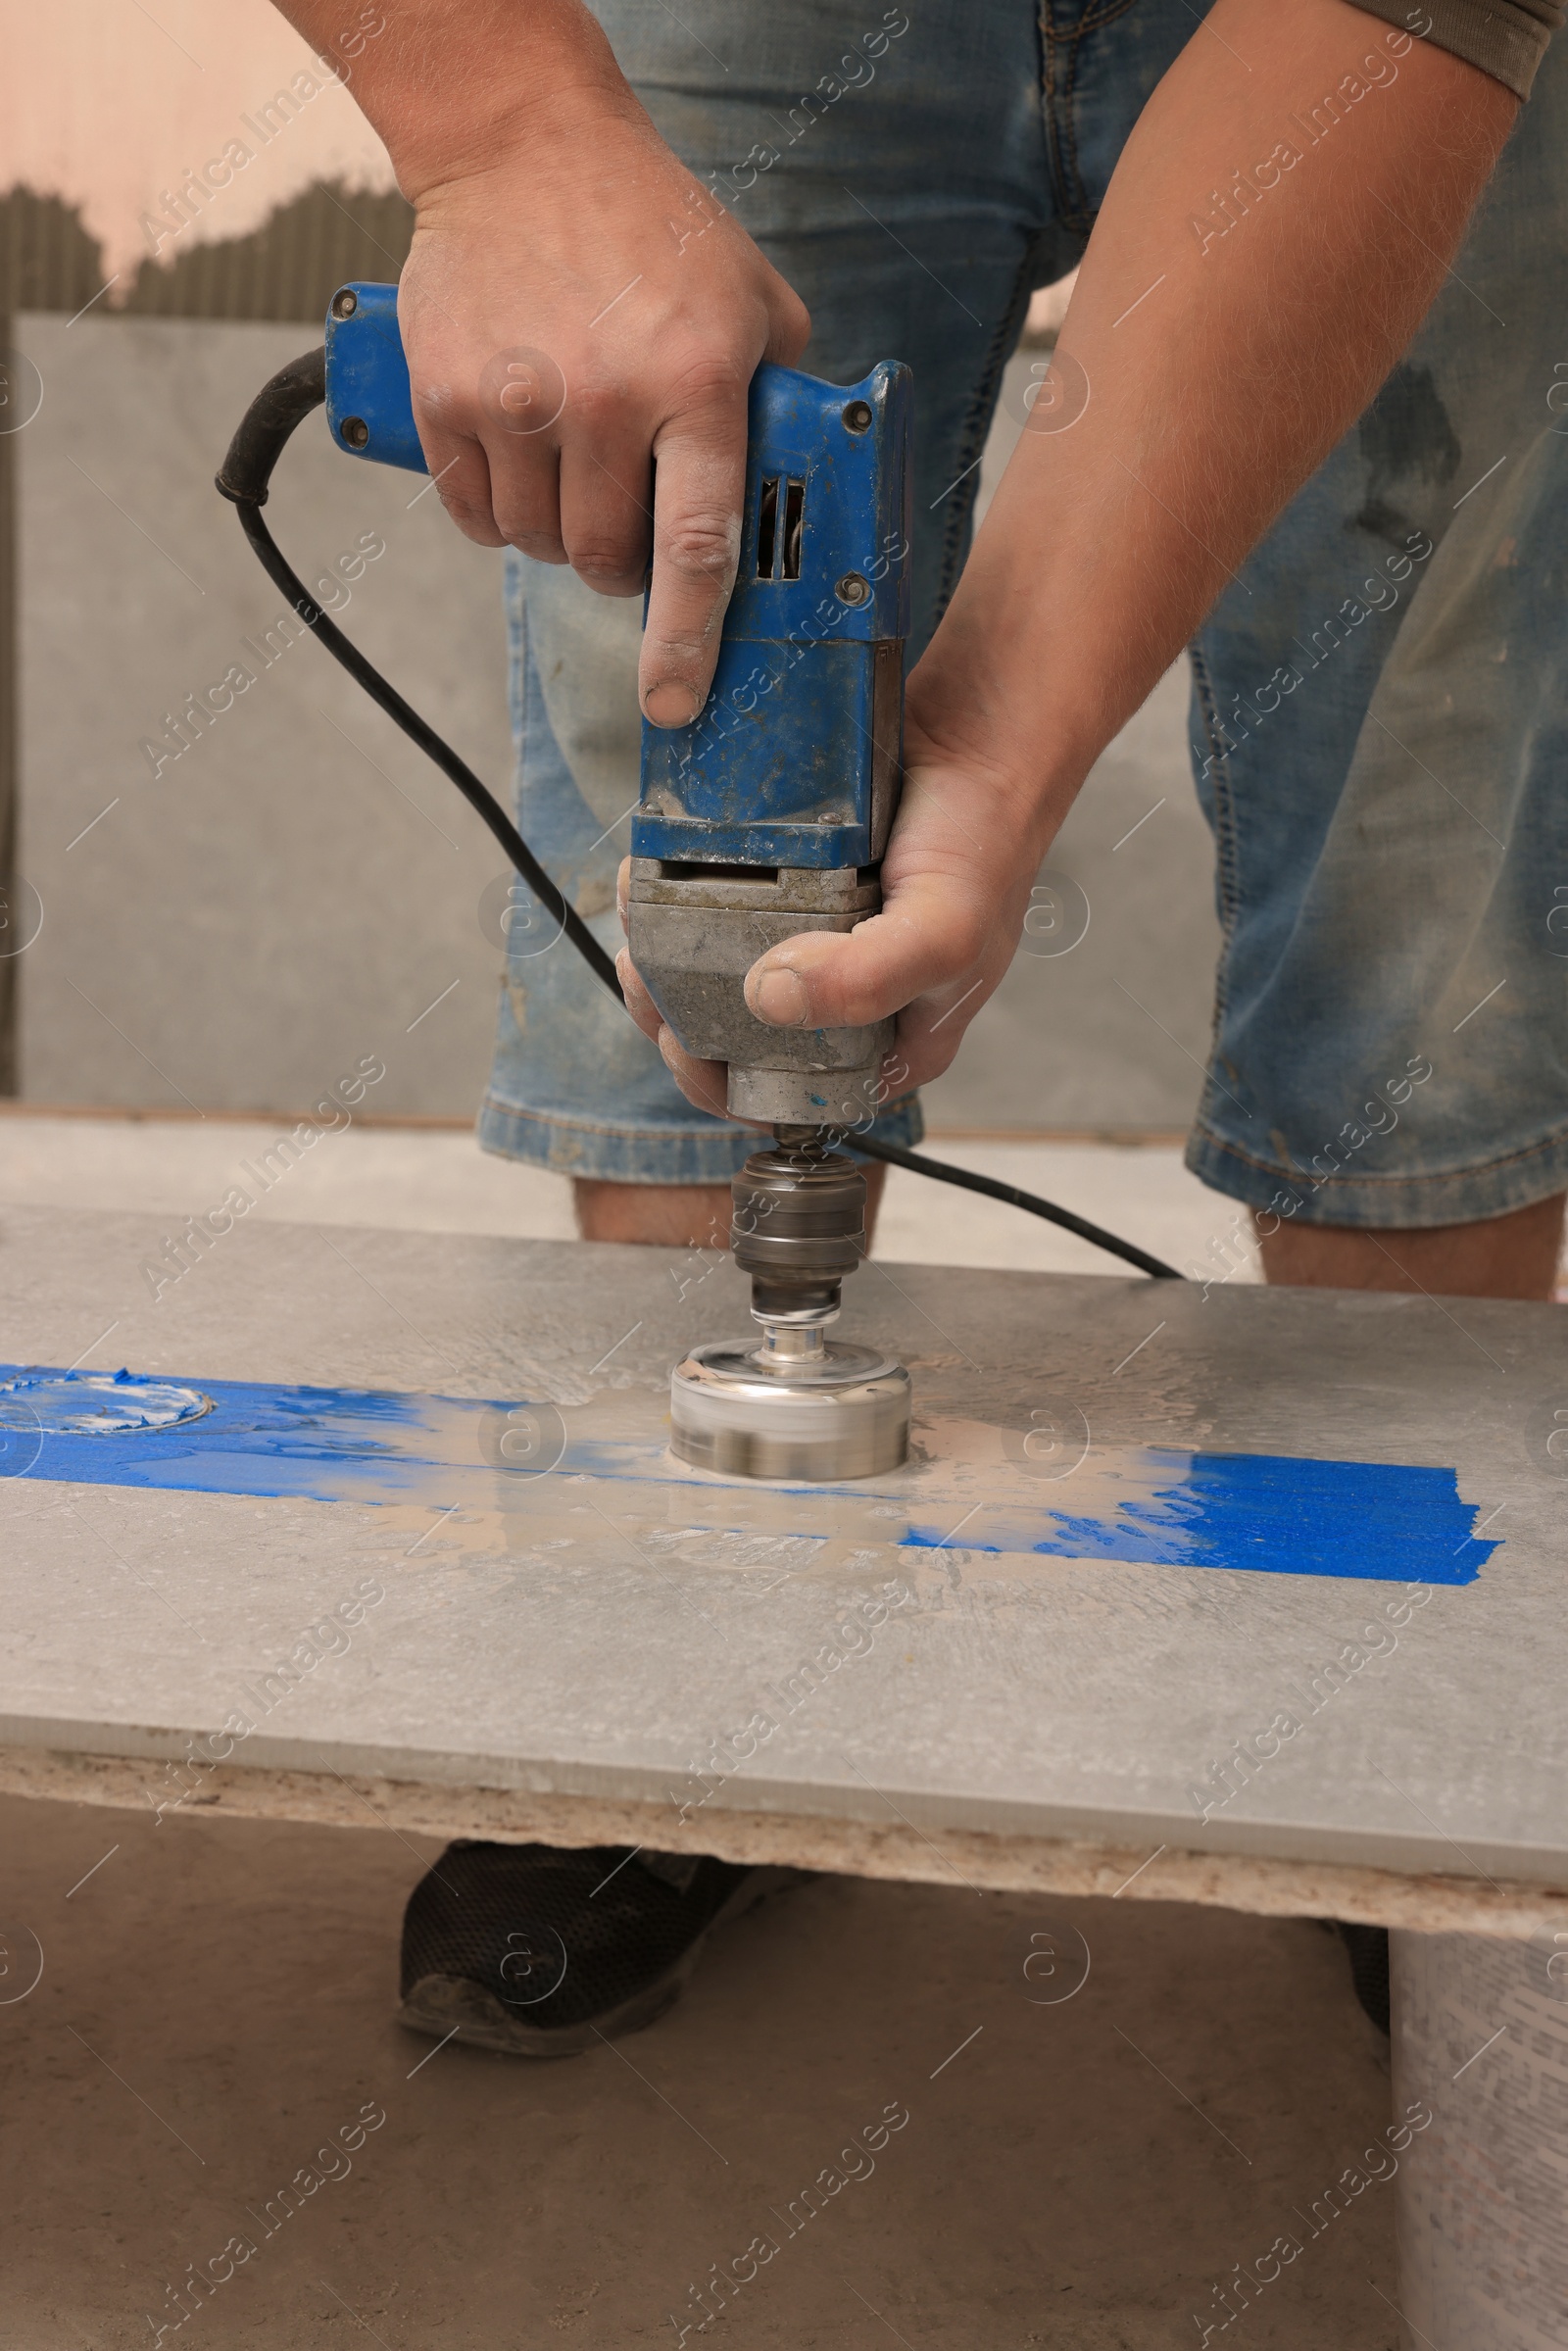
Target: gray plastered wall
[{"x": 294, "y": 889}]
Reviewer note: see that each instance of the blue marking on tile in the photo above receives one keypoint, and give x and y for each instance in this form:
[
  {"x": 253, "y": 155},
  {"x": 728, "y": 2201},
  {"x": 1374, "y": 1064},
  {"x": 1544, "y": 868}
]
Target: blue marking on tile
[
  {"x": 1274, "y": 1514},
  {"x": 93, "y": 1403}
]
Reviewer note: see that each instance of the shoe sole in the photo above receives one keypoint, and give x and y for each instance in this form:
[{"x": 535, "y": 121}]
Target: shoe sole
[{"x": 439, "y": 2006}]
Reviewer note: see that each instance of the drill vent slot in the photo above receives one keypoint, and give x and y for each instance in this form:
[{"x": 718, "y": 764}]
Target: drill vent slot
[
  {"x": 685, "y": 869},
  {"x": 793, "y": 518},
  {"x": 779, "y": 536},
  {"x": 767, "y": 529}
]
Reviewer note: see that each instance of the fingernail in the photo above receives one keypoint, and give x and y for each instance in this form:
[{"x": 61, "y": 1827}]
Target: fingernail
[
  {"x": 780, "y": 997},
  {"x": 671, "y": 702}
]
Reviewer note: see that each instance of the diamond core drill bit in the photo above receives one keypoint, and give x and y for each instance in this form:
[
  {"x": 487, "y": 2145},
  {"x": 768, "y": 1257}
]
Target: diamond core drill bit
[{"x": 794, "y": 1404}]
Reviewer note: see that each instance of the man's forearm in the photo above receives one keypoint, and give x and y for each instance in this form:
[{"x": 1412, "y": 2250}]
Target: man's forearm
[
  {"x": 1252, "y": 278},
  {"x": 451, "y": 85},
  {"x": 1275, "y": 230}
]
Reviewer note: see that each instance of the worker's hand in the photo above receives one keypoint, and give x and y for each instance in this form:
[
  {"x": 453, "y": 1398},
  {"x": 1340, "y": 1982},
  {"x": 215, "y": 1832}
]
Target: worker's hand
[
  {"x": 963, "y": 855},
  {"x": 576, "y": 306}
]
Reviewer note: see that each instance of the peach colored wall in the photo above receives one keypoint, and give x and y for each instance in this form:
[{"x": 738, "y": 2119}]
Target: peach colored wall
[{"x": 108, "y": 104}]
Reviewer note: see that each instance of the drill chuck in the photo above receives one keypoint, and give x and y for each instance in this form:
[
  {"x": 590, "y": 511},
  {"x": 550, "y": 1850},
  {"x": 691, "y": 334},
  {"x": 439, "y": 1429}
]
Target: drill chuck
[{"x": 799, "y": 1226}]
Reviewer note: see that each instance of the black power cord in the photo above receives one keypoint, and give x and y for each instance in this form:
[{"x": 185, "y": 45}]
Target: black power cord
[
  {"x": 918, "y": 1165},
  {"x": 283, "y": 402}
]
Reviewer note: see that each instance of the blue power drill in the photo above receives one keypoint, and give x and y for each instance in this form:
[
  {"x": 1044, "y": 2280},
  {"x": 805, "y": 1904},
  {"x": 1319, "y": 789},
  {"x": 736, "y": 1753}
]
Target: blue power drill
[
  {"x": 769, "y": 815},
  {"x": 765, "y": 817}
]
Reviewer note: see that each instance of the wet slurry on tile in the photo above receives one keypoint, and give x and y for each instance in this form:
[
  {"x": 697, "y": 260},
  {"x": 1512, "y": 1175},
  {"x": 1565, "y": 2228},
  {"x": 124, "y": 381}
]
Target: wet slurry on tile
[{"x": 1269, "y": 1513}]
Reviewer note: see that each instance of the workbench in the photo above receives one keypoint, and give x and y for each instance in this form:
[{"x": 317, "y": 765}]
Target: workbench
[{"x": 1222, "y": 1595}]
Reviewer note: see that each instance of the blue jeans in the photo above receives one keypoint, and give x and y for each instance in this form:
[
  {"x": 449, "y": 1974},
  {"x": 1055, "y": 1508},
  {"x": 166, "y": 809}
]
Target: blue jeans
[{"x": 1378, "y": 707}]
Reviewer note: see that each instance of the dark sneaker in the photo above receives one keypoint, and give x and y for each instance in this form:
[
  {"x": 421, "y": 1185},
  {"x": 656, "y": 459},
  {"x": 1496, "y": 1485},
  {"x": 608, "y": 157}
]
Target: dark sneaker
[
  {"x": 1368, "y": 1948},
  {"x": 538, "y": 1951}
]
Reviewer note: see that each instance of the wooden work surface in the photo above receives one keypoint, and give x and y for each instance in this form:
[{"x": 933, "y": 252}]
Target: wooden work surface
[{"x": 1130, "y": 1546}]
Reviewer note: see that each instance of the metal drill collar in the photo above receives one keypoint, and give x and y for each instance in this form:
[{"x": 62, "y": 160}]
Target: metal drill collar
[
  {"x": 844, "y": 1415},
  {"x": 799, "y": 1211}
]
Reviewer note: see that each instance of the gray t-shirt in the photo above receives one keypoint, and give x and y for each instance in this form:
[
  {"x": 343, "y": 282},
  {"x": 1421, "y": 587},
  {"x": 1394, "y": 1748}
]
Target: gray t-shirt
[{"x": 1505, "y": 38}]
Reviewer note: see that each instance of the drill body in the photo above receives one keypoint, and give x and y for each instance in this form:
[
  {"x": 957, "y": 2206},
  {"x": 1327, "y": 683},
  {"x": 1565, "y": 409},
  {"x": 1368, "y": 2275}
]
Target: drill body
[
  {"x": 766, "y": 816},
  {"x": 769, "y": 814}
]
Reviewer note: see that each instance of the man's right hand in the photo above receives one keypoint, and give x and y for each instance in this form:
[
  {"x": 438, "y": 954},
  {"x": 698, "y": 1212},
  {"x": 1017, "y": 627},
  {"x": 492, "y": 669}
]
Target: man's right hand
[{"x": 576, "y": 310}]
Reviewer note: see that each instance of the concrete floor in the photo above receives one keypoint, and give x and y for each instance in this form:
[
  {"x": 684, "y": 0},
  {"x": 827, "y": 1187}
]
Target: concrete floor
[{"x": 215, "y": 2002}]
